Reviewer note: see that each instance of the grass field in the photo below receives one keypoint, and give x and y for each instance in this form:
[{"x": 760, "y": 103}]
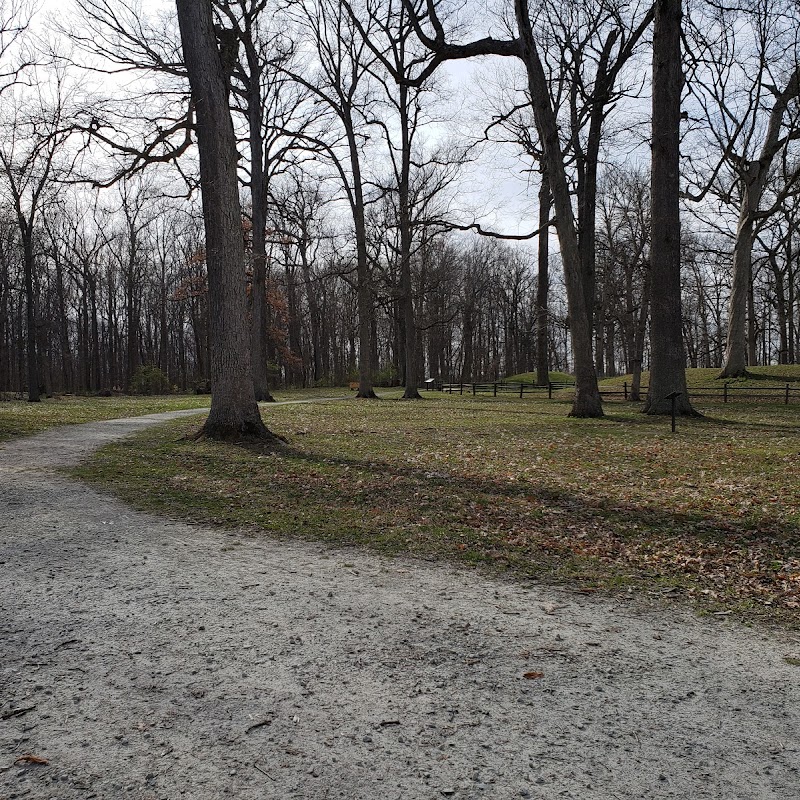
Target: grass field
[
  {"x": 710, "y": 514},
  {"x": 757, "y": 377},
  {"x": 20, "y": 418}
]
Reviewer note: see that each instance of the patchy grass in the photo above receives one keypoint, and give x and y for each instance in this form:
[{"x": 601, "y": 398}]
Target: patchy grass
[
  {"x": 530, "y": 377},
  {"x": 20, "y": 418},
  {"x": 757, "y": 377},
  {"x": 711, "y": 513}
]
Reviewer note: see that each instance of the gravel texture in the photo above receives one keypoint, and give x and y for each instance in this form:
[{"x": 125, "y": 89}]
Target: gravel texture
[{"x": 147, "y": 659}]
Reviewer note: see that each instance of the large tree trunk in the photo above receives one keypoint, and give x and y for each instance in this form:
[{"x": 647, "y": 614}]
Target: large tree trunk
[
  {"x": 668, "y": 358},
  {"x": 234, "y": 411},
  {"x": 587, "y": 402}
]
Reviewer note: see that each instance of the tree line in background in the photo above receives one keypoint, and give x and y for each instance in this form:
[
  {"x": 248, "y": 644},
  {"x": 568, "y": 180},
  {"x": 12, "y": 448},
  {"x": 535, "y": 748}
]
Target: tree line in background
[{"x": 363, "y": 254}]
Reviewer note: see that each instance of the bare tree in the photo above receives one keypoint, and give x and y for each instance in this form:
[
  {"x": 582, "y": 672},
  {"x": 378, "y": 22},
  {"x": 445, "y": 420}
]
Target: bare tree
[
  {"x": 273, "y": 106},
  {"x": 745, "y": 83},
  {"x": 623, "y": 240},
  {"x": 399, "y": 60},
  {"x": 339, "y": 82},
  {"x": 31, "y": 158},
  {"x": 587, "y": 402},
  {"x": 667, "y": 354},
  {"x": 234, "y": 411}
]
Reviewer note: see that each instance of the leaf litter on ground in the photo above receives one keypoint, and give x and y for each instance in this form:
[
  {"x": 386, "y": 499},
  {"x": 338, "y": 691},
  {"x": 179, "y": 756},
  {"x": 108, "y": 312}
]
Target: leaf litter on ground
[{"x": 711, "y": 513}]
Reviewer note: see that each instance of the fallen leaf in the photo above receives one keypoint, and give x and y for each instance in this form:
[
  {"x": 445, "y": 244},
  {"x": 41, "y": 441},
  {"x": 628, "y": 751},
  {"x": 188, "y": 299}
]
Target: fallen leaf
[
  {"x": 29, "y": 758},
  {"x": 533, "y": 675}
]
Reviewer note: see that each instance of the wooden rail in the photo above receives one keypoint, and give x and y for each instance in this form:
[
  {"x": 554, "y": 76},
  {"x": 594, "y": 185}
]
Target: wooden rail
[
  {"x": 727, "y": 392},
  {"x": 501, "y": 387},
  {"x": 787, "y": 393}
]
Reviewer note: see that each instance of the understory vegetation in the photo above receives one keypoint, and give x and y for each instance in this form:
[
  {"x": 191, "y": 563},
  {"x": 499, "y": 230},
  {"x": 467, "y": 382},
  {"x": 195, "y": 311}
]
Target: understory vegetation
[{"x": 710, "y": 514}]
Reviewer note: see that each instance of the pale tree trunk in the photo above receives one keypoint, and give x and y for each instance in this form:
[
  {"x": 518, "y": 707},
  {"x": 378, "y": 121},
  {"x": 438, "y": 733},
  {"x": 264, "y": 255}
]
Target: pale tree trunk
[
  {"x": 234, "y": 411},
  {"x": 754, "y": 178},
  {"x": 667, "y": 355},
  {"x": 734, "y": 364}
]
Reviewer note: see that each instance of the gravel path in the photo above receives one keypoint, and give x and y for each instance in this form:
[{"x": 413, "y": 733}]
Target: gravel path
[{"x": 149, "y": 659}]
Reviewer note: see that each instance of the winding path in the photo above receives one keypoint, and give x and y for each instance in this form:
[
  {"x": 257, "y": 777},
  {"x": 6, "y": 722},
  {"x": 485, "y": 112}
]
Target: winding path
[{"x": 148, "y": 659}]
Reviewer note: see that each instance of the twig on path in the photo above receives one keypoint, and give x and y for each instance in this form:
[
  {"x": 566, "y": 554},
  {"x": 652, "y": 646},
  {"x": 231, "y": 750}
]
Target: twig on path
[
  {"x": 263, "y": 772},
  {"x": 15, "y": 712},
  {"x": 257, "y": 725}
]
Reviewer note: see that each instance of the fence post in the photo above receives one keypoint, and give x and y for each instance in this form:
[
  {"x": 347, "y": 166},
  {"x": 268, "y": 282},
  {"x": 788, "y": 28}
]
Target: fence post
[
  {"x": 725, "y": 393},
  {"x": 521, "y": 386},
  {"x": 625, "y": 389},
  {"x": 461, "y": 388},
  {"x": 495, "y": 389},
  {"x": 473, "y": 390},
  {"x": 549, "y": 390}
]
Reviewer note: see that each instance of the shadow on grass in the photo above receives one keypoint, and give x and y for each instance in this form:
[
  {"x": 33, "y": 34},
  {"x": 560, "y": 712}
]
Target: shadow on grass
[
  {"x": 768, "y": 376},
  {"x": 642, "y": 522}
]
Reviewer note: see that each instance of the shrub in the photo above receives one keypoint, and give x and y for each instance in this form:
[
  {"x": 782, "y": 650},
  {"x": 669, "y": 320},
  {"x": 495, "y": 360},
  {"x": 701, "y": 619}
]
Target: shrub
[{"x": 149, "y": 380}]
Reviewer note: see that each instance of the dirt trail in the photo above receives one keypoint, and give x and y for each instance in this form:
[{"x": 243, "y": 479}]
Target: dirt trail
[{"x": 149, "y": 659}]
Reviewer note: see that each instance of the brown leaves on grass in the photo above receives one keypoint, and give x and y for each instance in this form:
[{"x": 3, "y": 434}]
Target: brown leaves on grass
[{"x": 714, "y": 510}]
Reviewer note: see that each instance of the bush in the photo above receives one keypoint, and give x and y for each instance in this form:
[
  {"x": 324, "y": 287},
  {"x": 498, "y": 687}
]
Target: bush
[
  {"x": 149, "y": 380},
  {"x": 386, "y": 377}
]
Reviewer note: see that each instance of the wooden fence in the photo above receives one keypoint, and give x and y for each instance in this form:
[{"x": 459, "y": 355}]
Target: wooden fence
[{"x": 786, "y": 393}]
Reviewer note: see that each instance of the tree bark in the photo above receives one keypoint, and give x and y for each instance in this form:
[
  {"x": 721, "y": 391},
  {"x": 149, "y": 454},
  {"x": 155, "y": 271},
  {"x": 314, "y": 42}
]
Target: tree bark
[
  {"x": 406, "y": 285},
  {"x": 258, "y": 200},
  {"x": 668, "y": 357},
  {"x": 234, "y": 411},
  {"x": 587, "y": 401},
  {"x": 543, "y": 287},
  {"x": 34, "y": 394},
  {"x": 366, "y": 314}
]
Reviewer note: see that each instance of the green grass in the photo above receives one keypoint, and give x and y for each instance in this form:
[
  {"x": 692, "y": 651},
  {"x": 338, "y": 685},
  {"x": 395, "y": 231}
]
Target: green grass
[
  {"x": 20, "y": 418},
  {"x": 757, "y": 377},
  {"x": 710, "y": 514},
  {"x": 530, "y": 377}
]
